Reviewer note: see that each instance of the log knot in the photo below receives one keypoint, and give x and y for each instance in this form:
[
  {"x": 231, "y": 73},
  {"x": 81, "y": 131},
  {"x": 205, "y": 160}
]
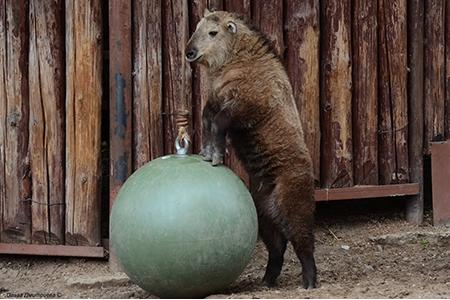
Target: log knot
[{"x": 13, "y": 119}]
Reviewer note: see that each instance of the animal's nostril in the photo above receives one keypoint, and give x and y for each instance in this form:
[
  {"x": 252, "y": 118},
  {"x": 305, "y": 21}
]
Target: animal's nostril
[{"x": 190, "y": 54}]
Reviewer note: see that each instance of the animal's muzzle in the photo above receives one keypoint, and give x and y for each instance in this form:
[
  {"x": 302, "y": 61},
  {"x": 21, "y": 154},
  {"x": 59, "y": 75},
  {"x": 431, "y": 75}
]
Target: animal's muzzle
[{"x": 191, "y": 54}]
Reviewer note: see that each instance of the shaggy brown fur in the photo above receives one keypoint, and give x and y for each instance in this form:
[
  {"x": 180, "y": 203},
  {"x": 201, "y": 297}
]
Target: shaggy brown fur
[{"x": 251, "y": 100}]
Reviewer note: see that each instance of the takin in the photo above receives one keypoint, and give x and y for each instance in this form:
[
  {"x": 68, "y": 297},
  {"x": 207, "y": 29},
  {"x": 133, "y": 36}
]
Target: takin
[{"x": 251, "y": 101}]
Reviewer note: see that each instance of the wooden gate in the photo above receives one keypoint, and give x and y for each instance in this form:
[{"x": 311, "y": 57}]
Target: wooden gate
[{"x": 371, "y": 80}]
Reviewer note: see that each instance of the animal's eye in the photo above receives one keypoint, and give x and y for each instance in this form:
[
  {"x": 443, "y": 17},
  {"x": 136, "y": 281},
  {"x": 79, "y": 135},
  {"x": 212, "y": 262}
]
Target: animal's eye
[{"x": 212, "y": 33}]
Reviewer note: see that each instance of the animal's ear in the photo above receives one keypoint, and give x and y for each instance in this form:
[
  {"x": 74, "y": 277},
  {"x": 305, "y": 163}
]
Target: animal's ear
[
  {"x": 206, "y": 12},
  {"x": 231, "y": 27}
]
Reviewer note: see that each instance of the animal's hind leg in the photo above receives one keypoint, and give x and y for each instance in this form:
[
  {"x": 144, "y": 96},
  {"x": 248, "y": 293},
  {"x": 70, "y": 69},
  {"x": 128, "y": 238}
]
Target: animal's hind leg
[
  {"x": 304, "y": 249},
  {"x": 276, "y": 246},
  {"x": 297, "y": 210}
]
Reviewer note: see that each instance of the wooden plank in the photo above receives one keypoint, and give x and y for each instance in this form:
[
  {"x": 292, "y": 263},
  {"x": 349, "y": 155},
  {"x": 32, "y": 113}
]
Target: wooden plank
[
  {"x": 268, "y": 17},
  {"x": 414, "y": 208},
  {"x": 16, "y": 219},
  {"x": 393, "y": 116},
  {"x": 46, "y": 71},
  {"x": 302, "y": 64},
  {"x": 365, "y": 109},
  {"x": 367, "y": 191},
  {"x": 83, "y": 116},
  {"x": 147, "y": 94},
  {"x": 440, "y": 173},
  {"x": 434, "y": 90},
  {"x": 120, "y": 91},
  {"x": 177, "y": 72},
  {"x": 199, "y": 85},
  {"x": 52, "y": 250},
  {"x": 242, "y": 7},
  {"x": 336, "y": 95}
]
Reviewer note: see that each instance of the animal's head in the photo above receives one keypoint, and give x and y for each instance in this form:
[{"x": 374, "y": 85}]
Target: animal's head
[{"x": 213, "y": 40}]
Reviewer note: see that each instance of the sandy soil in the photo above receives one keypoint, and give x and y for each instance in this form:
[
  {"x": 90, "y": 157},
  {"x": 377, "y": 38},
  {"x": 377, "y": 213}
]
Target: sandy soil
[{"x": 354, "y": 257}]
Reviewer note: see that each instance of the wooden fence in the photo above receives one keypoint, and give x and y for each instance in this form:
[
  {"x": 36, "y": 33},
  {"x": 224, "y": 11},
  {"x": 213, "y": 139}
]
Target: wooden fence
[{"x": 371, "y": 80}]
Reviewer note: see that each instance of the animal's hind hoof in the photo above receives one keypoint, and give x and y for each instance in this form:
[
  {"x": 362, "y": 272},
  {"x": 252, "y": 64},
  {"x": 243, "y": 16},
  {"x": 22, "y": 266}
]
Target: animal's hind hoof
[
  {"x": 269, "y": 282},
  {"x": 309, "y": 286}
]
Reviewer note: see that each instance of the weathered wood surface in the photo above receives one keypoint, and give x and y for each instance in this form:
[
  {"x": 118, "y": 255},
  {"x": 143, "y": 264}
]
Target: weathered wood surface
[
  {"x": 177, "y": 87},
  {"x": 336, "y": 95},
  {"x": 302, "y": 64},
  {"x": 268, "y": 17},
  {"x": 120, "y": 92},
  {"x": 447, "y": 70},
  {"x": 147, "y": 96},
  {"x": 434, "y": 92},
  {"x": 15, "y": 179},
  {"x": 414, "y": 208},
  {"x": 387, "y": 165},
  {"x": 393, "y": 108},
  {"x": 242, "y": 7},
  {"x": 83, "y": 117},
  {"x": 214, "y": 5},
  {"x": 46, "y": 82},
  {"x": 199, "y": 86},
  {"x": 364, "y": 65}
]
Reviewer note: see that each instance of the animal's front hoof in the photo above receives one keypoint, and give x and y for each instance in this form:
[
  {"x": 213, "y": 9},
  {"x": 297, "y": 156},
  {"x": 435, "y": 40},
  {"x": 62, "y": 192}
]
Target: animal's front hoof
[
  {"x": 217, "y": 160},
  {"x": 205, "y": 155}
]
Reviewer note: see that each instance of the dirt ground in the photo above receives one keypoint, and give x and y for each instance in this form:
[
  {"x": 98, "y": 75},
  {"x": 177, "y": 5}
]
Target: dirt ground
[{"x": 359, "y": 256}]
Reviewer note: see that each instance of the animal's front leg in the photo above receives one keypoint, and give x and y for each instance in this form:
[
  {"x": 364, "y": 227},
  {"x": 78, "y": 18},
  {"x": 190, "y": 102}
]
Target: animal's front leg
[
  {"x": 207, "y": 119},
  {"x": 219, "y": 129}
]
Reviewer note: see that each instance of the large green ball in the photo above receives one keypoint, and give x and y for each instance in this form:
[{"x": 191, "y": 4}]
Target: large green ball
[{"x": 183, "y": 228}]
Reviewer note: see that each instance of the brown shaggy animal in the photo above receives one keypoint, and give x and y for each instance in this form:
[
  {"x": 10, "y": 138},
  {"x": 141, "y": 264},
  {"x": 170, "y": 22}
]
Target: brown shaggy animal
[{"x": 251, "y": 100}]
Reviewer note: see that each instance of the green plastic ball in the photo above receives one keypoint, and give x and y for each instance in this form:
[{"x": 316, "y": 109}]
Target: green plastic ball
[{"x": 182, "y": 228}]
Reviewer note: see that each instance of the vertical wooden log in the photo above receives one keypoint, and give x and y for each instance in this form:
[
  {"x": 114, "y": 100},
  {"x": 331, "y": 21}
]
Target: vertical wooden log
[
  {"x": 199, "y": 86},
  {"x": 364, "y": 66},
  {"x": 120, "y": 101},
  {"x": 434, "y": 92},
  {"x": 336, "y": 95},
  {"x": 447, "y": 71},
  {"x": 393, "y": 108},
  {"x": 83, "y": 104},
  {"x": 242, "y": 7},
  {"x": 15, "y": 169},
  {"x": 147, "y": 96},
  {"x": 387, "y": 165},
  {"x": 46, "y": 71},
  {"x": 177, "y": 72},
  {"x": 302, "y": 63},
  {"x": 268, "y": 17},
  {"x": 414, "y": 208},
  {"x": 120, "y": 90},
  {"x": 3, "y": 108}
]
